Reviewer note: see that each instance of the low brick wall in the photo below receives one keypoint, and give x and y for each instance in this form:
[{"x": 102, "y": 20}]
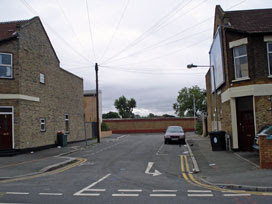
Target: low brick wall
[
  {"x": 265, "y": 152},
  {"x": 120, "y": 126},
  {"x": 106, "y": 134}
]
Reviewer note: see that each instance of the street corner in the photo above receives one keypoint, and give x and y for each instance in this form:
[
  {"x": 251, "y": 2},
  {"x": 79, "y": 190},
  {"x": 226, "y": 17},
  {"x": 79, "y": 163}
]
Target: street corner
[{"x": 28, "y": 170}]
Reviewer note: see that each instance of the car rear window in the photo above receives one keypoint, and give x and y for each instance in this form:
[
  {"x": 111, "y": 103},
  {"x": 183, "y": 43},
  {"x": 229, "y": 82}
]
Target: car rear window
[{"x": 174, "y": 129}]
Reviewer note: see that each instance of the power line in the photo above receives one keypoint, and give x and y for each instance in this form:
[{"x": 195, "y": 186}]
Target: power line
[
  {"x": 32, "y": 10},
  {"x": 90, "y": 30},
  {"x": 160, "y": 27},
  {"x": 149, "y": 72},
  {"x": 178, "y": 17},
  {"x": 236, "y": 5},
  {"x": 68, "y": 23},
  {"x": 142, "y": 36},
  {"x": 156, "y": 45},
  {"x": 116, "y": 28},
  {"x": 171, "y": 53},
  {"x": 109, "y": 60}
]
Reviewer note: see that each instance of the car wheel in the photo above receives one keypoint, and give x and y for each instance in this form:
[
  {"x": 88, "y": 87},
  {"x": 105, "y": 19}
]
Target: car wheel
[
  {"x": 165, "y": 141},
  {"x": 183, "y": 141}
]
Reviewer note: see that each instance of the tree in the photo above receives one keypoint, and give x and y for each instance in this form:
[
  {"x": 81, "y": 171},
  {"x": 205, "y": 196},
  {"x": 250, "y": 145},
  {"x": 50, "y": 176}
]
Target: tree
[
  {"x": 151, "y": 115},
  {"x": 125, "y": 107},
  {"x": 185, "y": 101},
  {"x": 110, "y": 115}
]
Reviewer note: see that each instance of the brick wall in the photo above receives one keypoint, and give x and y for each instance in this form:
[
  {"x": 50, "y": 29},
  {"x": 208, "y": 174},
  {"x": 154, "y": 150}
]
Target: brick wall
[
  {"x": 61, "y": 94},
  {"x": 90, "y": 108},
  {"x": 265, "y": 152},
  {"x": 148, "y": 125},
  {"x": 262, "y": 113}
]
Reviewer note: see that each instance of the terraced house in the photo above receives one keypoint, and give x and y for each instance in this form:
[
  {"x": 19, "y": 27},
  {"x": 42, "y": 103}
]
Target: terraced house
[
  {"x": 241, "y": 54},
  {"x": 37, "y": 97}
]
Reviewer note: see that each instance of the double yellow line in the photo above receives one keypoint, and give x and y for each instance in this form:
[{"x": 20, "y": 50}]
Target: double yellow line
[
  {"x": 59, "y": 170},
  {"x": 188, "y": 176}
]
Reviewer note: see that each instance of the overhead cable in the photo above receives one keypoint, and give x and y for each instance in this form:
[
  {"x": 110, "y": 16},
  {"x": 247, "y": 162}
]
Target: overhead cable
[
  {"x": 32, "y": 10},
  {"x": 142, "y": 36},
  {"x": 115, "y": 30},
  {"x": 90, "y": 31}
]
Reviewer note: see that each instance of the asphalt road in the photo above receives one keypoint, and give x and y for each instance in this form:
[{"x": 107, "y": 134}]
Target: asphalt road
[{"x": 136, "y": 168}]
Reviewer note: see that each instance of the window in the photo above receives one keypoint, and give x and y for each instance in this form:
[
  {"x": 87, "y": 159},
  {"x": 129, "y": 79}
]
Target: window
[
  {"x": 240, "y": 62},
  {"x": 42, "y": 124},
  {"x": 67, "y": 129},
  {"x": 5, "y": 65},
  {"x": 269, "y": 57},
  {"x": 42, "y": 79}
]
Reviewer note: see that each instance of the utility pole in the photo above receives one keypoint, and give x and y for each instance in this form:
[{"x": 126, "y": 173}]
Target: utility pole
[
  {"x": 97, "y": 104},
  {"x": 194, "y": 112}
]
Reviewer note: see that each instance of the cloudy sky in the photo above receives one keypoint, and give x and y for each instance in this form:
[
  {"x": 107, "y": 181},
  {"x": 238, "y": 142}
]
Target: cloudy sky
[{"x": 142, "y": 46}]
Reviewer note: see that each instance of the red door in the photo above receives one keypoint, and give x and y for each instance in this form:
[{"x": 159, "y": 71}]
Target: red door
[
  {"x": 245, "y": 122},
  {"x": 5, "y": 131}
]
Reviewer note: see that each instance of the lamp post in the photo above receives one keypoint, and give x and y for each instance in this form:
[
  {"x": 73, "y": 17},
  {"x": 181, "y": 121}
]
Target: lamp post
[{"x": 190, "y": 66}]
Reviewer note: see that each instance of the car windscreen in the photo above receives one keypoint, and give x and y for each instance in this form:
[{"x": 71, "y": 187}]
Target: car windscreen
[
  {"x": 268, "y": 131},
  {"x": 174, "y": 129}
]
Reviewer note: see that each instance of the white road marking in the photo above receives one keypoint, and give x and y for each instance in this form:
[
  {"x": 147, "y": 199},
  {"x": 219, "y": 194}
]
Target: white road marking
[
  {"x": 267, "y": 194},
  {"x": 96, "y": 190},
  {"x": 200, "y": 195},
  {"x": 125, "y": 195},
  {"x": 148, "y": 168},
  {"x": 199, "y": 191},
  {"x": 121, "y": 137},
  {"x": 164, "y": 191},
  {"x": 17, "y": 193},
  {"x": 88, "y": 194},
  {"x": 52, "y": 194},
  {"x": 233, "y": 195},
  {"x": 130, "y": 190},
  {"x": 90, "y": 186},
  {"x": 233, "y": 191},
  {"x": 163, "y": 195},
  {"x": 158, "y": 152}
]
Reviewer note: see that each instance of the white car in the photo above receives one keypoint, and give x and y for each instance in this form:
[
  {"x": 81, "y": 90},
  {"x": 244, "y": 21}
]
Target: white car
[{"x": 174, "y": 133}]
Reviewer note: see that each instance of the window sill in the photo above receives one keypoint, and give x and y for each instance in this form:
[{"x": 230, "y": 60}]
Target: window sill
[
  {"x": 6, "y": 77},
  {"x": 241, "y": 79}
]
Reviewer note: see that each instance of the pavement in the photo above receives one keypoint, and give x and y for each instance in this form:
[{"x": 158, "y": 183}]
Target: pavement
[
  {"x": 226, "y": 169},
  {"x": 39, "y": 162}
]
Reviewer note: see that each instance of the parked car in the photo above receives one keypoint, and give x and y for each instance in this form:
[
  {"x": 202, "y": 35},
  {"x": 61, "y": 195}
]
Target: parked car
[
  {"x": 174, "y": 133},
  {"x": 265, "y": 130}
]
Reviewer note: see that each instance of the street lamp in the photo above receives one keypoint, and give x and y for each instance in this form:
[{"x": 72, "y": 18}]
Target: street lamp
[{"x": 190, "y": 66}]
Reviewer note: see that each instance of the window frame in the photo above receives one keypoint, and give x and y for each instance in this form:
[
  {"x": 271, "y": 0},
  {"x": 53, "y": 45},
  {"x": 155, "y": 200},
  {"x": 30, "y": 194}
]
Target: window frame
[
  {"x": 268, "y": 59},
  {"x": 234, "y": 61},
  {"x": 42, "y": 123},
  {"x": 11, "y": 66},
  {"x": 67, "y": 123},
  {"x": 42, "y": 76}
]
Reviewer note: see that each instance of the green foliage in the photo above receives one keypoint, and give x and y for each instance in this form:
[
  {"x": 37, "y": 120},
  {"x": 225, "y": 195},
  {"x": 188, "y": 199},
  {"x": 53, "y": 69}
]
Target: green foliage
[
  {"x": 105, "y": 127},
  {"x": 198, "y": 128},
  {"x": 125, "y": 107},
  {"x": 168, "y": 116},
  {"x": 151, "y": 115},
  {"x": 110, "y": 115},
  {"x": 185, "y": 102}
]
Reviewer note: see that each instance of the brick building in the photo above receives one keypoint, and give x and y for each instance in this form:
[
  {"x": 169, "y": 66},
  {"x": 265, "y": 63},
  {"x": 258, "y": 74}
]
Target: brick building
[
  {"x": 37, "y": 97},
  {"x": 90, "y": 111},
  {"x": 241, "y": 54}
]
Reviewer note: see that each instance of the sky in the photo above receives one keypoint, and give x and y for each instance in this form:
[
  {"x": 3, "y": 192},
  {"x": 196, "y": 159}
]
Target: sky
[{"x": 142, "y": 47}]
